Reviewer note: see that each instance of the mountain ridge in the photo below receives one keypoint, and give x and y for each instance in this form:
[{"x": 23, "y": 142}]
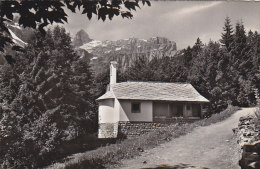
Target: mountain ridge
[{"x": 126, "y": 51}]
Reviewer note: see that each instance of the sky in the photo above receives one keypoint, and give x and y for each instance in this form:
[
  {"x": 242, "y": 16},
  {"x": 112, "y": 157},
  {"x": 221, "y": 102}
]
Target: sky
[{"x": 179, "y": 21}]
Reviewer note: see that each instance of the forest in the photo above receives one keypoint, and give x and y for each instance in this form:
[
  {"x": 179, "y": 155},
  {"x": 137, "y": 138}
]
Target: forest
[
  {"x": 225, "y": 72},
  {"x": 48, "y": 93}
]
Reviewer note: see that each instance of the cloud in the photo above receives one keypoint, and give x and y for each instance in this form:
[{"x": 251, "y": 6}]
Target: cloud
[
  {"x": 197, "y": 8},
  {"x": 180, "y": 21},
  {"x": 191, "y": 8}
]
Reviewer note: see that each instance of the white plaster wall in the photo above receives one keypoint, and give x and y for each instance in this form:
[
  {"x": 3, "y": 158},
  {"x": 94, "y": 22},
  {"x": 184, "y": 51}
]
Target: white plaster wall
[
  {"x": 117, "y": 107},
  {"x": 106, "y": 112},
  {"x": 146, "y": 113},
  {"x": 113, "y": 73}
]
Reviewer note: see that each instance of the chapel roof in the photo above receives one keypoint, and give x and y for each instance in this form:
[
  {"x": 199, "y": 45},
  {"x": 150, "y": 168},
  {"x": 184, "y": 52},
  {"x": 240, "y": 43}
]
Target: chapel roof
[{"x": 154, "y": 91}]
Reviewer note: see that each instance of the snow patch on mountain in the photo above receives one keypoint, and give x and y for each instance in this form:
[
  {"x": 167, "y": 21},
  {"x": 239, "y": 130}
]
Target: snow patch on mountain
[
  {"x": 94, "y": 58},
  {"x": 17, "y": 40},
  {"x": 90, "y": 45},
  {"x": 126, "y": 51}
]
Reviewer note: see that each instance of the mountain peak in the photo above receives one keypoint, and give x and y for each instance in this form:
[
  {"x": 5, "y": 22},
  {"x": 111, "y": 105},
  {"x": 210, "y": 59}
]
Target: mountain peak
[
  {"x": 82, "y": 31},
  {"x": 80, "y": 38}
]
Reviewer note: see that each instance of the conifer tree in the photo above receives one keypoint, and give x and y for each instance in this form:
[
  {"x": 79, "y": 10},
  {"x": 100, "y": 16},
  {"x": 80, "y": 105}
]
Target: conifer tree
[
  {"x": 187, "y": 55},
  {"x": 198, "y": 45},
  {"x": 140, "y": 70},
  {"x": 239, "y": 43},
  {"x": 47, "y": 108},
  {"x": 227, "y": 36}
]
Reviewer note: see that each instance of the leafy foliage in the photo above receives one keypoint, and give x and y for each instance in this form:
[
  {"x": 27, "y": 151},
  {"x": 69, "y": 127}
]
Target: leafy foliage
[{"x": 39, "y": 14}]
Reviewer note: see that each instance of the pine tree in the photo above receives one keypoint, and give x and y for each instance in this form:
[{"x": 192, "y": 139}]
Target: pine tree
[
  {"x": 227, "y": 37},
  {"x": 198, "y": 45},
  {"x": 239, "y": 43},
  {"x": 47, "y": 108},
  {"x": 187, "y": 55},
  {"x": 255, "y": 49},
  {"x": 140, "y": 70}
]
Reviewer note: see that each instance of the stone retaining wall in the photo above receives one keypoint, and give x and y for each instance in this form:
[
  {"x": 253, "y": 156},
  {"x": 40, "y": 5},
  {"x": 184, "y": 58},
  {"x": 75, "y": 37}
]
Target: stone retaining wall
[
  {"x": 108, "y": 130},
  {"x": 133, "y": 129},
  {"x": 249, "y": 141}
]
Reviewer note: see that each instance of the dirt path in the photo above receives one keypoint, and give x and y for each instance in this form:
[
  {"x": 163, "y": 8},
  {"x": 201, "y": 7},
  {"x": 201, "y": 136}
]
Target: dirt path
[{"x": 211, "y": 147}]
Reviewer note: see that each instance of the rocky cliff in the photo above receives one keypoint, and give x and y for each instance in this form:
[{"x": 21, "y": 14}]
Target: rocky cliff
[
  {"x": 81, "y": 38},
  {"x": 126, "y": 51}
]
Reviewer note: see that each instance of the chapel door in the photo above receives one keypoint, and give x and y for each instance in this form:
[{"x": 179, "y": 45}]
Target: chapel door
[
  {"x": 179, "y": 110},
  {"x": 175, "y": 110},
  {"x": 196, "y": 110}
]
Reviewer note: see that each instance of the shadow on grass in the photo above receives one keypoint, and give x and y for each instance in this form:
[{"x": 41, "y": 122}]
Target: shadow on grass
[{"x": 179, "y": 166}]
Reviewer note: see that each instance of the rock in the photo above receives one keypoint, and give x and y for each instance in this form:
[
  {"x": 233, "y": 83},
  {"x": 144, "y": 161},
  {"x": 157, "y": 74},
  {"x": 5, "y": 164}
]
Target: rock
[
  {"x": 81, "y": 38},
  {"x": 235, "y": 130},
  {"x": 140, "y": 149},
  {"x": 250, "y": 143},
  {"x": 249, "y": 148},
  {"x": 126, "y": 51},
  {"x": 168, "y": 139},
  {"x": 252, "y": 165}
]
